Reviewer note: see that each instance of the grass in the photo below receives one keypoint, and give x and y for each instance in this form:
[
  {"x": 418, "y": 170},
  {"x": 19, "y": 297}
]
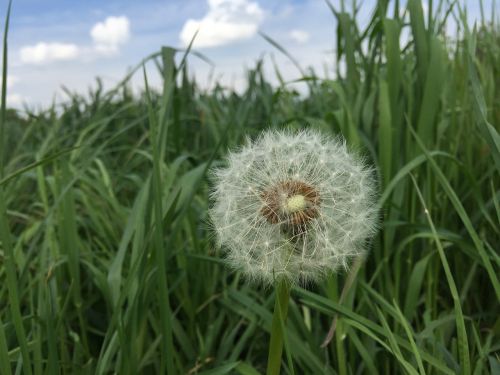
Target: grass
[{"x": 107, "y": 265}]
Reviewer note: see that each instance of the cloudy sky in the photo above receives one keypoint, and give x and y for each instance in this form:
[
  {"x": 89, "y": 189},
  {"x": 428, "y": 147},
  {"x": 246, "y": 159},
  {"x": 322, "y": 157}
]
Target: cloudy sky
[{"x": 55, "y": 43}]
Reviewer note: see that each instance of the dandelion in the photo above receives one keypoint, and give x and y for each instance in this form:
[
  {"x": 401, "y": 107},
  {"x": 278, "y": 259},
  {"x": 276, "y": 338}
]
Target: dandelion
[
  {"x": 293, "y": 206},
  {"x": 290, "y": 208}
]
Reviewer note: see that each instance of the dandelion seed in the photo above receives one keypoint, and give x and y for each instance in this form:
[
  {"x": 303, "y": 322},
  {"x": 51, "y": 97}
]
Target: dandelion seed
[{"x": 308, "y": 206}]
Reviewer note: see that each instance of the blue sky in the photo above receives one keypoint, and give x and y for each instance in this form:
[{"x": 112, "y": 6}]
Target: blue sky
[{"x": 68, "y": 42}]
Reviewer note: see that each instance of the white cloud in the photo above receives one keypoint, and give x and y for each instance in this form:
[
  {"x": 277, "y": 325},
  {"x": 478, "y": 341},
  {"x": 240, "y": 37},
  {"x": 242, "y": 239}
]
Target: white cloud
[
  {"x": 109, "y": 35},
  {"x": 226, "y": 21},
  {"x": 15, "y": 100},
  {"x": 286, "y": 11},
  {"x": 299, "y": 36},
  {"x": 11, "y": 81},
  {"x": 107, "y": 38},
  {"x": 43, "y": 52},
  {"x": 425, "y": 8}
]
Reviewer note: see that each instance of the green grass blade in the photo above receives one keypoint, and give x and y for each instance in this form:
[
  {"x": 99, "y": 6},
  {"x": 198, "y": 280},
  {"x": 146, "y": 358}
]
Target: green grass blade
[
  {"x": 394, "y": 345},
  {"x": 159, "y": 250},
  {"x": 410, "y": 334},
  {"x": 5, "y": 368},
  {"x": 463, "y": 215},
  {"x": 463, "y": 345},
  {"x": 365, "y": 324},
  {"x": 5, "y": 234},
  {"x": 3, "y": 107},
  {"x": 435, "y": 76},
  {"x": 385, "y": 132},
  {"x": 489, "y": 133}
]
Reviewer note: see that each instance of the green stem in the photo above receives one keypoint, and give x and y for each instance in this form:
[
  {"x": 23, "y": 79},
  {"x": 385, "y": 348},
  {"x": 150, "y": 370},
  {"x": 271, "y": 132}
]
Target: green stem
[{"x": 277, "y": 328}]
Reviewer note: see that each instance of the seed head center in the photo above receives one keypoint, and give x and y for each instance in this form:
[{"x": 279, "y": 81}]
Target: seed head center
[
  {"x": 295, "y": 203},
  {"x": 292, "y": 204}
]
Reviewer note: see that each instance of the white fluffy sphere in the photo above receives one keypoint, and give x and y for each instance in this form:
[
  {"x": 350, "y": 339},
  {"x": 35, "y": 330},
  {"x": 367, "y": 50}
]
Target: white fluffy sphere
[{"x": 294, "y": 206}]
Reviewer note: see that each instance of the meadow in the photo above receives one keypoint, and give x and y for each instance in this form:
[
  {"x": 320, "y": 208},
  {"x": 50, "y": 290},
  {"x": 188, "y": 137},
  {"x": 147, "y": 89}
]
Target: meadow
[{"x": 108, "y": 264}]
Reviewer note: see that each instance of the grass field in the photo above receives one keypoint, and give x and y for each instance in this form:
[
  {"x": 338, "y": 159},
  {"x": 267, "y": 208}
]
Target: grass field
[{"x": 108, "y": 265}]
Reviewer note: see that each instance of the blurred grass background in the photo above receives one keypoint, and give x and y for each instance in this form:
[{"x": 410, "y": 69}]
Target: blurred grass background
[{"x": 107, "y": 264}]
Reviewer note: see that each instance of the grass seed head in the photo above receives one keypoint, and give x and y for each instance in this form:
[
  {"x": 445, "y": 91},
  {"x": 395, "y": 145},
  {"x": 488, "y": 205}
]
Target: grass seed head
[{"x": 294, "y": 206}]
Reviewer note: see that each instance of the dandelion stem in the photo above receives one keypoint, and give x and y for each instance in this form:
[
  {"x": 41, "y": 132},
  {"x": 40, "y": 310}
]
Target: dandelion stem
[{"x": 277, "y": 328}]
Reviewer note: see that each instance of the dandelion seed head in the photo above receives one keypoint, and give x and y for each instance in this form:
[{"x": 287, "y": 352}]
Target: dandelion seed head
[{"x": 293, "y": 205}]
